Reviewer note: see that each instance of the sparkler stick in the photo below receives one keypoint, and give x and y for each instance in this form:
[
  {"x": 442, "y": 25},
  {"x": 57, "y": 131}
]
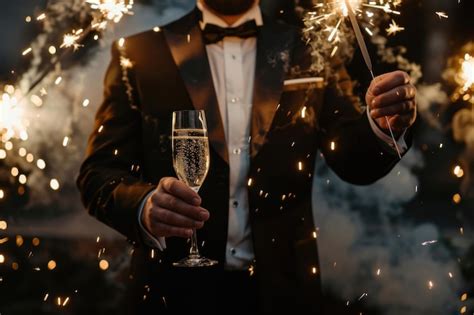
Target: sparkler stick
[{"x": 368, "y": 61}]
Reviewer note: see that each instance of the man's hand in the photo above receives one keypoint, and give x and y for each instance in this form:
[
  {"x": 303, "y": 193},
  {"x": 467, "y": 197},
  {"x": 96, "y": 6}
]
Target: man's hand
[
  {"x": 173, "y": 210},
  {"x": 392, "y": 95}
]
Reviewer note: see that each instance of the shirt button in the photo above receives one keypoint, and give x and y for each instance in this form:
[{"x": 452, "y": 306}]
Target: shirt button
[
  {"x": 234, "y": 100},
  {"x": 235, "y": 204},
  {"x": 233, "y": 57},
  {"x": 233, "y": 251},
  {"x": 237, "y": 151}
]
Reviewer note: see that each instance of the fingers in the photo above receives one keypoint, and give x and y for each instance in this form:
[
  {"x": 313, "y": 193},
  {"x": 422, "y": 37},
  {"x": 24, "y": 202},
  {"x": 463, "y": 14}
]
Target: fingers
[
  {"x": 406, "y": 107},
  {"x": 398, "y": 123},
  {"x": 396, "y": 95},
  {"x": 168, "y": 201},
  {"x": 174, "y": 210},
  {"x": 175, "y": 219},
  {"x": 388, "y": 81},
  {"x": 180, "y": 190},
  {"x": 168, "y": 230}
]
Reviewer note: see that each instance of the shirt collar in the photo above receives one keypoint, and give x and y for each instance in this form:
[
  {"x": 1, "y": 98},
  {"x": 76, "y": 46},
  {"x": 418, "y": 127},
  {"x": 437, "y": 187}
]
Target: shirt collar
[{"x": 210, "y": 18}]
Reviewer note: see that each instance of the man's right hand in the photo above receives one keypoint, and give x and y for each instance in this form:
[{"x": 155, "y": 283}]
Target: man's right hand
[{"x": 173, "y": 209}]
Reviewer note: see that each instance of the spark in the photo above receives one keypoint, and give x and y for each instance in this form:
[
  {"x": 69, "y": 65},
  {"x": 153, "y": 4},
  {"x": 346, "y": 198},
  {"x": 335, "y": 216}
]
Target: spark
[
  {"x": 333, "y": 145},
  {"x": 65, "y": 301},
  {"x": 103, "y": 264},
  {"x": 457, "y": 198},
  {"x": 51, "y": 265},
  {"x": 54, "y": 184},
  {"x": 41, "y": 17},
  {"x": 3, "y": 225},
  {"x": 300, "y": 166},
  {"x": 26, "y": 51},
  {"x": 458, "y": 171},
  {"x": 71, "y": 39},
  {"x": 429, "y": 242},
  {"x": 394, "y": 28},
  {"x": 126, "y": 63},
  {"x": 303, "y": 112},
  {"x": 430, "y": 284},
  {"x": 65, "y": 141},
  {"x": 362, "y": 296},
  {"x": 442, "y": 14}
]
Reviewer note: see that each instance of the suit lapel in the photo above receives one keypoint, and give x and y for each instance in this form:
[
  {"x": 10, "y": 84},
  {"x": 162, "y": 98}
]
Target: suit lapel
[
  {"x": 189, "y": 53},
  {"x": 273, "y": 59}
]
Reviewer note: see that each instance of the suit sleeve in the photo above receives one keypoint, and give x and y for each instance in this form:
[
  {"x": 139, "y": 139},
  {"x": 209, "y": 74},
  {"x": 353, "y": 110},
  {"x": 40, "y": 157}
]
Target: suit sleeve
[
  {"x": 111, "y": 188},
  {"x": 350, "y": 146}
]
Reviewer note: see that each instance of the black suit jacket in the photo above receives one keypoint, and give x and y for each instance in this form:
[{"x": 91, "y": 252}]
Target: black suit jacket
[{"x": 131, "y": 152}]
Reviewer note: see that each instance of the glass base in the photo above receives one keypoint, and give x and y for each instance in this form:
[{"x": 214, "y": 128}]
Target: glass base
[{"x": 195, "y": 261}]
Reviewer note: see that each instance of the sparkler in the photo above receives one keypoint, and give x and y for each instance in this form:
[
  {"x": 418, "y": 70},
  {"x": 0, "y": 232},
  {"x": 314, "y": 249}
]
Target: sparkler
[{"x": 368, "y": 62}]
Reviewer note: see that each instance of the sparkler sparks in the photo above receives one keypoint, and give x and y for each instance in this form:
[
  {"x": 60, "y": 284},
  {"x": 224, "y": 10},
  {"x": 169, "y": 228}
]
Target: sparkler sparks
[
  {"x": 460, "y": 72},
  {"x": 112, "y": 10},
  {"x": 71, "y": 40},
  {"x": 442, "y": 14},
  {"x": 330, "y": 18},
  {"x": 394, "y": 28}
]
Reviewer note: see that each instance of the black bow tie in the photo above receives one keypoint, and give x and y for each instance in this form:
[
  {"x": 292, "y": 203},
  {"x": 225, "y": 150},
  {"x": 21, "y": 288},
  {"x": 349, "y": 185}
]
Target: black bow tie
[{"x": 213, "y": 33}]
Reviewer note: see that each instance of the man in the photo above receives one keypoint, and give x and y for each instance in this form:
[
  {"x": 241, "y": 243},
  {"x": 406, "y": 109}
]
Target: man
[{"x": 254, "y": 210}]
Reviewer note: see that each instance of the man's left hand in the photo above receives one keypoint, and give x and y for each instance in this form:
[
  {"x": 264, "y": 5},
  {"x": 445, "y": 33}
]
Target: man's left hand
[{"x": 392, "y": 95}]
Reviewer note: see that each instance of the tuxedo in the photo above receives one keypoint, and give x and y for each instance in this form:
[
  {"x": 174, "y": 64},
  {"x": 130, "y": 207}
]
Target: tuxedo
[{"x": 130, "y": 151}]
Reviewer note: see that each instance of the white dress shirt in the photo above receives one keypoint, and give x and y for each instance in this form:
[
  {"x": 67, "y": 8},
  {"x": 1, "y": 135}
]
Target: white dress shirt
[{"x": 232, "y": 62}]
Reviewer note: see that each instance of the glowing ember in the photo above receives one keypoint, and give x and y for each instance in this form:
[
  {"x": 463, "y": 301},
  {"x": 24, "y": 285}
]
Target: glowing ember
[
  {"x": 430, "y": 284},
  {"x": 54, "y": 184},
  {"x": 26, "y": 51},
  {"x": 51, "y": 265},
  {"x": 457, "y": 198},
  {"x": 103, "y": 264},
  {"x": 3, "y": 225},
  {"x": 458, "y": 171}
]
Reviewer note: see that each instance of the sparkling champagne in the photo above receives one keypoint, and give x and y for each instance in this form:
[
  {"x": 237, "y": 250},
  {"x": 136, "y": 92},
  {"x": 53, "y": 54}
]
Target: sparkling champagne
[{"x": 191, "y": 156}]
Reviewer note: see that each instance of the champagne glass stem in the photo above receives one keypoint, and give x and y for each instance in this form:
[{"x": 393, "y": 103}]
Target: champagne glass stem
[{"x": 194, "y": 250}]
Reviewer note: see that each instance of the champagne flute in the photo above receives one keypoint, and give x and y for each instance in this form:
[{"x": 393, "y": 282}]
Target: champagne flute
[{"x": 191, "y": 160}]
